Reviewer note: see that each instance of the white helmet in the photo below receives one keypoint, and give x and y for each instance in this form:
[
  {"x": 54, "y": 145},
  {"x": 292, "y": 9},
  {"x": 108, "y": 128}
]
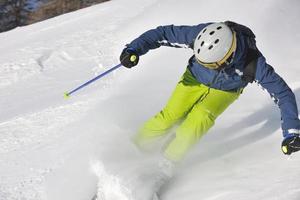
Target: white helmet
[{"x": 214, "y": 44}]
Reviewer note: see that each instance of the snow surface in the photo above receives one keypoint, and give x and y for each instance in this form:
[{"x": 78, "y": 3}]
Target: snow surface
[{"x": 52, "y": 148}]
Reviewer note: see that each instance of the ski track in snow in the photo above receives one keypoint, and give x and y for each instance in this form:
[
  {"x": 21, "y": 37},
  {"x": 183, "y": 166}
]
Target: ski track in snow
[
  {"x": 23, "y": 136},
  {"x": 31, "y": 130}
]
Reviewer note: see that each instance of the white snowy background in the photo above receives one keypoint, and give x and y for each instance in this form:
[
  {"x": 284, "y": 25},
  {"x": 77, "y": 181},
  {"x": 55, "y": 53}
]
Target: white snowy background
[{"x": 54, "y": 149}]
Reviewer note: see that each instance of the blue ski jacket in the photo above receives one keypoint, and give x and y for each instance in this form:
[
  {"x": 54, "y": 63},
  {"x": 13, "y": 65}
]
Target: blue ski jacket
[{"x": 229, "y": 78}]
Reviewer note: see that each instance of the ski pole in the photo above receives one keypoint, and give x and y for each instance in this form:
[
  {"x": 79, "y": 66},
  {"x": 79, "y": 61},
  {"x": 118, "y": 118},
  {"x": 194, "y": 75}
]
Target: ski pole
[{"x": 67, "y": 94}]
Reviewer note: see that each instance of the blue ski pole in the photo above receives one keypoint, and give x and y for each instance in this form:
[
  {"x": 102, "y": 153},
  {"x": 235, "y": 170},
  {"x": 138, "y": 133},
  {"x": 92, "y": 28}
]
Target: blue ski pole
[{"x": 67, "y": 94}]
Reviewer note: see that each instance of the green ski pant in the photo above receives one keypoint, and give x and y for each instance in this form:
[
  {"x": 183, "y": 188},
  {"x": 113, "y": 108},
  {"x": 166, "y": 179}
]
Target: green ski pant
[{"x": 193, "y": 104}]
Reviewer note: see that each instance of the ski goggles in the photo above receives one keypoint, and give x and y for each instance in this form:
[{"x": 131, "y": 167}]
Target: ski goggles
[{"x": 227, "y": 60}]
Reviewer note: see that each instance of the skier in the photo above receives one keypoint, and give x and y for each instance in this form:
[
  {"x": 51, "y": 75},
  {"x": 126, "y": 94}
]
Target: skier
[{"x": 225, "y": 59}]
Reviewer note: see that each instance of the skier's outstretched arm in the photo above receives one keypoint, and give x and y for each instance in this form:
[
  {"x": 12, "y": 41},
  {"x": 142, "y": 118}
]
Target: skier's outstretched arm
[
  {"x": 285, "y": 99},
  {"x": 170, "y": 35}
]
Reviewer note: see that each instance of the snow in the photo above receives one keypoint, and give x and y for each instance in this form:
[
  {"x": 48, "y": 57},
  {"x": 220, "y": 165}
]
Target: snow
[{"x": 52, "y": 148}]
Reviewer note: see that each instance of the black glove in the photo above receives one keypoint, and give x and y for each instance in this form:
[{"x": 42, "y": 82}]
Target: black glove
[
  {"x": 290, "y": 144},
  {"x": 129, "y": 58}
]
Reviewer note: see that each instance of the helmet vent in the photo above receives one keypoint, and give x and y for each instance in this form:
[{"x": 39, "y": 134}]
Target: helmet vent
[
  {"x": 199, "y": 37},
  {"x": 210, "y": 47},
  {"x": 217, "y": 41},
  {"x": 198, "y": 50},
  {"x": 219, "y": 27},
  {"x": 204, "y": 30},
  {"x": 211, "y": 33},
  {"x": 202, "y": 43}
]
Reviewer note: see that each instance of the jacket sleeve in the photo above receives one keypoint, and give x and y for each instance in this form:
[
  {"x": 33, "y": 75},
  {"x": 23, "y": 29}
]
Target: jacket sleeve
[
  {"x": 282, "y": 95},
  {"x": 171, "y": 36}
]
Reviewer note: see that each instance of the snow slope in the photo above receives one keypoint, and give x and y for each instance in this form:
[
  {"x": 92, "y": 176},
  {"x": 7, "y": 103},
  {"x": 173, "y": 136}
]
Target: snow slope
[{"x": 51, "y": 148}]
